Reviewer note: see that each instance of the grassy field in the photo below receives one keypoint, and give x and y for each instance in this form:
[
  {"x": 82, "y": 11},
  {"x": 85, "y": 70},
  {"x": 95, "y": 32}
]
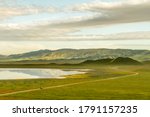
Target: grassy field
[{"x": 102, "y": 82}]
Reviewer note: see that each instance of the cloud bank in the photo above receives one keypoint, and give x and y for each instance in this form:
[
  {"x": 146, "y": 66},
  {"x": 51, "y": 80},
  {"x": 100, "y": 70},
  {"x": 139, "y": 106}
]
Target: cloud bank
[
  {"x": 128, "y": 11},
  {"x": 99, "y": 14}
]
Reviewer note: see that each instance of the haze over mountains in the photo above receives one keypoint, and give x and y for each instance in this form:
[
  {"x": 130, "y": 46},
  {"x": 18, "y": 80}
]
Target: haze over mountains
[{"x": 78, "y": 55}]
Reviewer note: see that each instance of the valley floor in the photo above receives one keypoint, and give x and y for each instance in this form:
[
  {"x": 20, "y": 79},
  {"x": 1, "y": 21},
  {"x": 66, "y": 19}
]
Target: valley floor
[{"x": 101, "y": 82}]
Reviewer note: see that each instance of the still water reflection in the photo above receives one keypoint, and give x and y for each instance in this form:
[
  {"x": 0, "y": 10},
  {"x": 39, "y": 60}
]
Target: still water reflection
[{"x": 22, "y": 73}]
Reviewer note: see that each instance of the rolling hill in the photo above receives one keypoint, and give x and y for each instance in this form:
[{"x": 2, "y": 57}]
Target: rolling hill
[
  {"x": 101, "y": 61},
  {"x": 125, "y": 61},
  {"x": 78, "y": 55},
  {"x": 116, "y": 61}
]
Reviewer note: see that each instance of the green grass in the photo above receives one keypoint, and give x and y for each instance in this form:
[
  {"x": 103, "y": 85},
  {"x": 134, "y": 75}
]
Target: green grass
[{"x": 130, "y": 87}]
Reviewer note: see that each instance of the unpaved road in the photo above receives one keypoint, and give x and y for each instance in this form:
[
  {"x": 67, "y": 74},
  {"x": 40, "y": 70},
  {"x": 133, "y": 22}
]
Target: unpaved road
[{"x": 65, "y": 85}]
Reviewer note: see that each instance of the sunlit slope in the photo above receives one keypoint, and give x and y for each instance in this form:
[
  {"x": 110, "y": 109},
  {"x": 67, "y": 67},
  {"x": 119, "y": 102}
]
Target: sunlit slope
[{"x": 79, "y": 55}]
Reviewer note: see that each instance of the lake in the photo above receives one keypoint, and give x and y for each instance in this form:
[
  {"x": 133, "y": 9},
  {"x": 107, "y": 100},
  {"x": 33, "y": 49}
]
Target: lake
[{"x": 26, "y": 73}]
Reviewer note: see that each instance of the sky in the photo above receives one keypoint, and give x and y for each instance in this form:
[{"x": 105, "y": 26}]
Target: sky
[{"x": 29, "y": 25}]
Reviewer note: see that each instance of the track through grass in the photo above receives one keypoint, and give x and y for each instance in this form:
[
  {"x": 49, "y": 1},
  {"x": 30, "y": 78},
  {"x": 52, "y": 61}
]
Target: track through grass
[{"x": 103, "y": 82}]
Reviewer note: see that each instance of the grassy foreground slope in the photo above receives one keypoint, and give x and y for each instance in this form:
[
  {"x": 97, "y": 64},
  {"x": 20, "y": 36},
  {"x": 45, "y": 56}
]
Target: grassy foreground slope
[{"x": 87, "y": 86}]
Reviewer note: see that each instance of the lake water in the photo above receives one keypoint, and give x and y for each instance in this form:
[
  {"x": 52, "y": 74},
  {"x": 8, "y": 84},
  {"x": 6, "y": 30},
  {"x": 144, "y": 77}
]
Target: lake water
[{"x": 25, "y": 73}]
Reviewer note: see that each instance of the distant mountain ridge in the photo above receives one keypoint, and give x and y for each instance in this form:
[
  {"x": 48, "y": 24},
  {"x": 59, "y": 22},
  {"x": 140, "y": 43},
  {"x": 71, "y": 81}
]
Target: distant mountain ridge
[{"x": 78, "y": 55}]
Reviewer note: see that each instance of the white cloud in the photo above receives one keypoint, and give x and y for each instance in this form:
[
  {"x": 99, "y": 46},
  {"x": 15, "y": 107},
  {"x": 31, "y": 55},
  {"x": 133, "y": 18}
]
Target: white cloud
[
  {"x": 129, "y": 35},
  {"x": 98, "y": 6},
  {"x": 34, "y": 33},
  {"x": 9, "y": 12}
]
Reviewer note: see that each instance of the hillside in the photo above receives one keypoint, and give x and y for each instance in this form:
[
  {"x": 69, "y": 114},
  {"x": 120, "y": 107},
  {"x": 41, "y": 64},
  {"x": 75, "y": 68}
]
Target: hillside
[
  {"x": 101, "y": 61},
  {"x": 116, "y": 61},
  {"x": 80, "y": 55},
  {"x": 125, "y": 61}
]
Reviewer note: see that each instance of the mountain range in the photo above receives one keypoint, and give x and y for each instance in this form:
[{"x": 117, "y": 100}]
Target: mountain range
[{"x": 77, "y": 55}]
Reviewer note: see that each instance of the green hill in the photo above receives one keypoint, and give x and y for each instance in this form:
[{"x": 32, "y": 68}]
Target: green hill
[
  {"x": 125, "y": 61},
  {"x": 117, "y": 61},
  {"x": 101, "y": 61}
]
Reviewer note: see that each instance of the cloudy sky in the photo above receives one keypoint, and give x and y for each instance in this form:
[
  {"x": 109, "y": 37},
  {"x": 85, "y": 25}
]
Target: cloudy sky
[{"x": 28, "y": 25}]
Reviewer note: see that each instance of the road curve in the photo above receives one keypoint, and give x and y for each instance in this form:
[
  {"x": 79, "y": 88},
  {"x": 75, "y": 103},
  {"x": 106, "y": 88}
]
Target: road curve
[{"x": 65, "y": 85}]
